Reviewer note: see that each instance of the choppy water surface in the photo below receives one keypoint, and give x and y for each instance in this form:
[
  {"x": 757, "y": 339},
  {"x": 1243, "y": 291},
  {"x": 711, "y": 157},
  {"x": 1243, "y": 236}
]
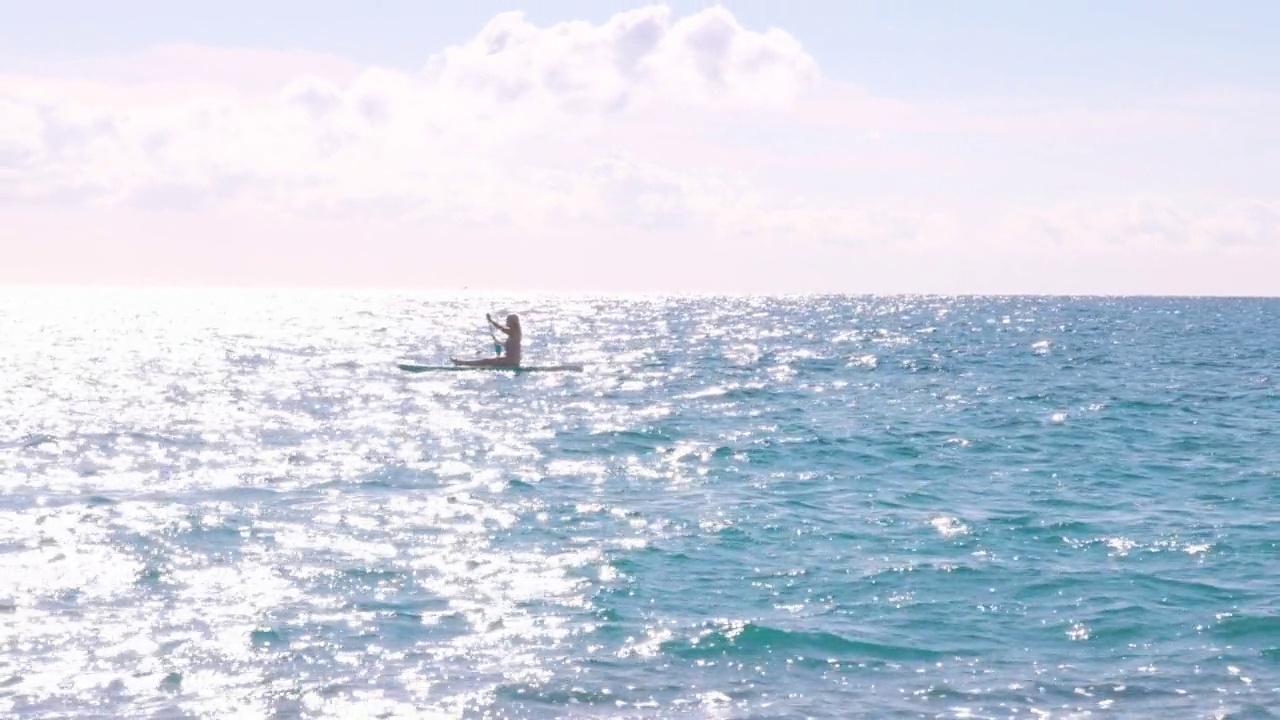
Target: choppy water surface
[{"x": 231, "y": 504}]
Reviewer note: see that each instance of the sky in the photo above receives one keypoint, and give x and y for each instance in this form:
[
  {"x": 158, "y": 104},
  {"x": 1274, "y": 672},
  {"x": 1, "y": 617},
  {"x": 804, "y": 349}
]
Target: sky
[{"x": 745, "y": 146}]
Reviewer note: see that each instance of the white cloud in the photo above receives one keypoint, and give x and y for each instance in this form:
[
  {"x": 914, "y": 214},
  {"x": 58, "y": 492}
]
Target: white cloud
[
  {"x": 1150, "y": 222},
  {"x": 635, "y": 59},
  {"x": 451, "y": 137},
  {"x": 1247, "y": 223}
]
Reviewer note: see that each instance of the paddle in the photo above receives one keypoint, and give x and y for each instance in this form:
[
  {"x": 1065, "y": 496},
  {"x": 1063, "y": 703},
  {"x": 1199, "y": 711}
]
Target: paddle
[{"x": 497, "y": 346}]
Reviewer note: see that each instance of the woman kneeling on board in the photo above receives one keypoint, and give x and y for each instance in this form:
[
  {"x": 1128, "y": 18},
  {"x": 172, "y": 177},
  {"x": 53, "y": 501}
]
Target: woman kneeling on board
[{"x": 511, "y": 356}]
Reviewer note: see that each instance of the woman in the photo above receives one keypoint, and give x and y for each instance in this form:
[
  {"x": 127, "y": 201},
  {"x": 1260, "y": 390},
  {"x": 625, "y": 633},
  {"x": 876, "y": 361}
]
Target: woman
[{"x": 511, "y": 355}]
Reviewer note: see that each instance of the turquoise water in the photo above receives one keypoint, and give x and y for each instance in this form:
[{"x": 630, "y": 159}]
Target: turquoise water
[{"x": 231, "y": 504}]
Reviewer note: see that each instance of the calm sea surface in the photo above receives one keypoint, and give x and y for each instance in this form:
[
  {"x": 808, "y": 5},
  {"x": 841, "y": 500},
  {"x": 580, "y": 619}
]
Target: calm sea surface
[{"x": 224, "y": 504}]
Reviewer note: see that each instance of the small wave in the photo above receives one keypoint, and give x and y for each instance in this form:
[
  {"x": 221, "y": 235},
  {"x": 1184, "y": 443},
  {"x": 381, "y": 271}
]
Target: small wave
[
  {"x": 717, "y": 391},
  {"x": 869, "y": 362},
  {"x": 948, "y": 526},
  {"x": 750, "y": 639},
  {"x": 558, "y": 697},
  {"x": 1237, "y": 626},
  {"x": 266, "y": 637}
]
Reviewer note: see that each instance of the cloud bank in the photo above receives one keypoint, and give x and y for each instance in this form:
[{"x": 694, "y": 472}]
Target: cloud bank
[{"x": 648, "y": 142}]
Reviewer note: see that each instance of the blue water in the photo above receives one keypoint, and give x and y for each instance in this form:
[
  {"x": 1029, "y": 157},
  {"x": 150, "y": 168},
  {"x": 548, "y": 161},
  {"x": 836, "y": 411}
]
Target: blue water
[{"x": 231, "y": 504}]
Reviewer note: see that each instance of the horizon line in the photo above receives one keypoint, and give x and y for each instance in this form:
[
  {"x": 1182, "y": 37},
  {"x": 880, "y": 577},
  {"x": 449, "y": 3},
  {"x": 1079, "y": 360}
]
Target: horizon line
[{"x": 492, "y": 292}]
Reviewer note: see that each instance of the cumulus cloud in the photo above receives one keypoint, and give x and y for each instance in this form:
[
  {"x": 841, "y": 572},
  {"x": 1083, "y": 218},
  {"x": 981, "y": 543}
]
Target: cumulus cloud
[
  {"x": 636, "y": 58},
  {"x": 457, "y": 138}
]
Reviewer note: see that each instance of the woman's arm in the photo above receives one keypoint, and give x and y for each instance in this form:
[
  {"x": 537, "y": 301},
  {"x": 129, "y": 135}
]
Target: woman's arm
[{"x": 488, "y": 317}]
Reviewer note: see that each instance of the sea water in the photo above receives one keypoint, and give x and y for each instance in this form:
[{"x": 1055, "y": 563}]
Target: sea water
[{"x": 231, "y": 503}]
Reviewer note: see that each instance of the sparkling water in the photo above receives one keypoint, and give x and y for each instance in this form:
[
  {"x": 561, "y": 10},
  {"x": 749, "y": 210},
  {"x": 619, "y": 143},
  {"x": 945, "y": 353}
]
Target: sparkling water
[{"x": 230, "y": 503}]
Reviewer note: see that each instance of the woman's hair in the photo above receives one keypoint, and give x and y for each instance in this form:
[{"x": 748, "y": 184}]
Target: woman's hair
[{"x": 513, "y": 319}]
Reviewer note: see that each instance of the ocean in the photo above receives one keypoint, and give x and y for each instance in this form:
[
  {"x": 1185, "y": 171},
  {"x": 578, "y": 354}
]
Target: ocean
[{"x": 232, "y": 504}]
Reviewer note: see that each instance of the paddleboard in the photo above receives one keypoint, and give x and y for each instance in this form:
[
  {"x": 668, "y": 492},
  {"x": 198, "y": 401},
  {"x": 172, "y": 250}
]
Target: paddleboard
[{"x": 410, "y": 367}]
